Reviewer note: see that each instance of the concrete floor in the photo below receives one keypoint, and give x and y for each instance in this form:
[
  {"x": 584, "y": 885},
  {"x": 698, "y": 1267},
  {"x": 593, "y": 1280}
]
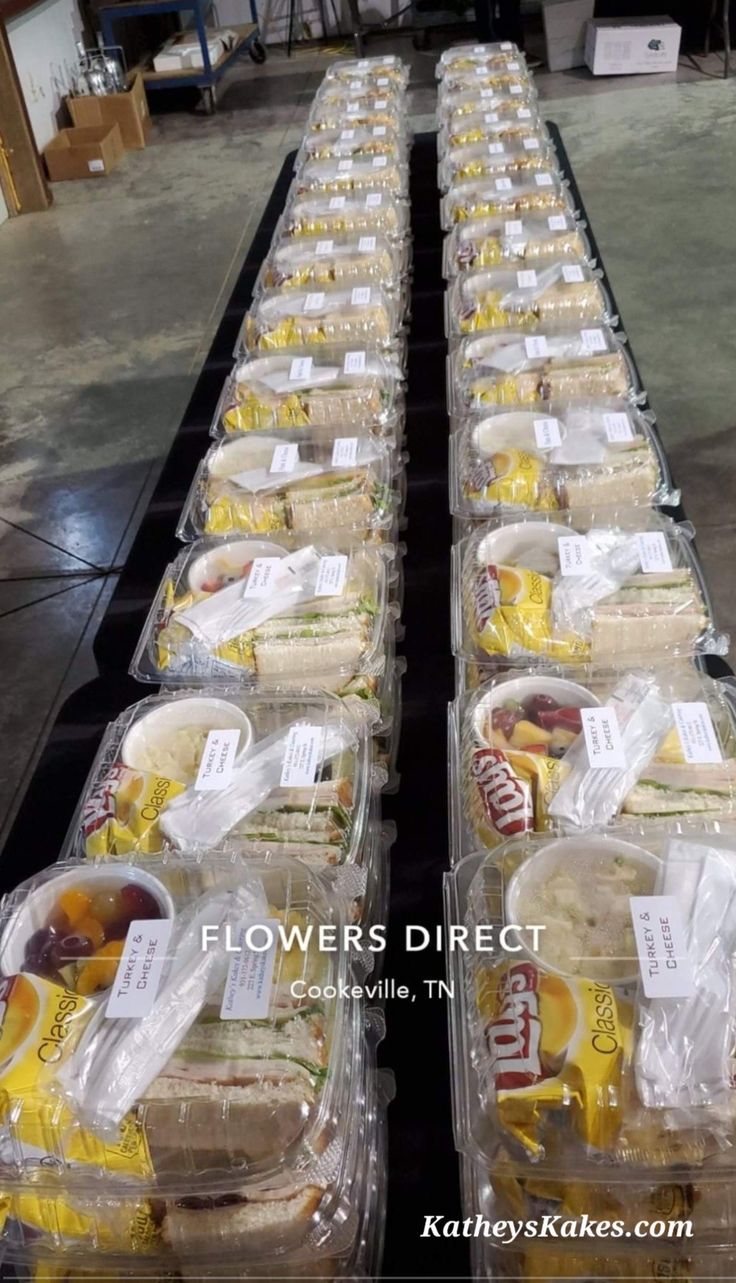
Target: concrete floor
[{"x": 108, "y": 303}]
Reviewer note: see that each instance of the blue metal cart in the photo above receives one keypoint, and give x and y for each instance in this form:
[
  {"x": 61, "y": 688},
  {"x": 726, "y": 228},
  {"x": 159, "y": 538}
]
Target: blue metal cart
[{"x": 204, "y": 78}]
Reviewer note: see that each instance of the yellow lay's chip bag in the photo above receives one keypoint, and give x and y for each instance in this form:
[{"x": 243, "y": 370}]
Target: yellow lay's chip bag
[
  {"x": 511, "y": 614},
  {"x": 514, "y": 477},
  {"x": 122, "y": 814}
]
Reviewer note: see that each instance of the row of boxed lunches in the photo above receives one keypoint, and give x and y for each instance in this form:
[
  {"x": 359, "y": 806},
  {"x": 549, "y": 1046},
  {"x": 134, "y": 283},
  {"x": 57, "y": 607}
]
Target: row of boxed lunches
[
  {"x": 591, "y": 756},
  {"x": 189, "y": 1085}
]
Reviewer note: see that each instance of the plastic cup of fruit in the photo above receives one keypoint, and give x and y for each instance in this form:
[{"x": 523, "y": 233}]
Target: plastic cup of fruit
[
  {"x": 519, "y": 690},
  {"x": 157, "y": 727},
  {"x": 36, "y": 911},
  {"x": 228, "y": 559},
  {"x": 531, "y": 544},
  {"x": 566, "y": 855}
]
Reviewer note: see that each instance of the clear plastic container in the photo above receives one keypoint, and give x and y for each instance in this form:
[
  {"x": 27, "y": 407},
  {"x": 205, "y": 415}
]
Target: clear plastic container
[
  {"x": 296, "y": 780},
  {"x": 580, "y": 1052},
  {"x": 507, "y": 80},
  {"x": 471, "y": 103},
  {"x": 373, "y": 71},
  {"x": 364, "y": 112},
  {"x": 327, "y": 389},
  {"x": 506, "y": 196},
  {"x": 560, "y": 455},
  {"x": 486, "y": 126},
  {"x": 236, "y": 491},
  {"x": 363, "y": 315},
  {"x": 342, "y": 177},
  {"x": 144, "y": 1059},
  {"x": 492, "y": 156},
  {"x": 528, "y": 299},
  {"x": 316, "y": 618},
  {"x": 352, "y": 140},
  {"x": 580, "y": 587},
  {"x": 511, "y": 368},
  {"x": 364, "y": 213},
  {"x": 342, "y": 261},
  {"x": 500, "y": 242},
  {"x": 467, "y": 56},
  {"x": 520, "y": 761}
]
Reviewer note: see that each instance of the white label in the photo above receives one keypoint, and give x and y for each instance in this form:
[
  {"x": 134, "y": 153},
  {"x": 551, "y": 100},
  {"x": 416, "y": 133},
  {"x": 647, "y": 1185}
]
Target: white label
[
  {"x": 285, "y": 457},
  {"x": 247, "y": 993},
  {"x": 512, "y": 66},
  {"x": 301, "y": 756},
  {"x": 572, "y": 273},
  {"x": 382, "y": 82},
  {"x": 381, "y": 104},
  {"x": 344, "y": 166},
  {"x": 496, "y": 149},
  {"x": 527, "y": 279},
  {"x": 543, "y": 180},
  {"x": 366, "y": 244},
  {"x": 354, "y": 363},
  {"x": 574, "y": 554},
  {"x": 360, "y": 296},
  {"x": 345, "y": 452},
  {"x": 331, "y": 576},
  {"x": 491, "y": 118},
  {"x": 300, "y": 368},
  {"x": 593, "y": 340},
  {"x": 138, "y": 976},
  {"x": 379, "y": 131},
  {"x": 654, "y": 554},
  {"x": 324, "y": 247},
  {"x": 513, "y": 227},
  {"x": 313, "y": 302},
  {"x": 618, "y": 427},
  {"x": 261, "y": 578},
  {"x": 697, "y": 733},
  {"x": 217, "y": 761},
  {"x": 373, "y": 200},
  {"x": 503, "y": 184},
  {"x": 603, "y": 739},
  {"x": 536, "y": 345},
  {"x": 531, "y": 144},
  {"x": 514, "y": 89},
  {"x": 337, "y": 202},
  {"x": 488, "y": 93},
  {"x": 380, "y": 162},
  {"x": 356, "y": 84},
  {"x": 346, "y": 135},
  {"x": 353, "y": 108},
  {"x": 547, "y": 433},
  {"x": 363, "y": 64},
  {"x": 479, "y": 49},
  {"x": 96, "y": 166},
  {"x": 523, "y": 113},
  {"x": 481, "y": 71},
  {"x": 557, "y": 222},
  {"x": 666, "y": 971},
  {"x": 505, "y": 45}
]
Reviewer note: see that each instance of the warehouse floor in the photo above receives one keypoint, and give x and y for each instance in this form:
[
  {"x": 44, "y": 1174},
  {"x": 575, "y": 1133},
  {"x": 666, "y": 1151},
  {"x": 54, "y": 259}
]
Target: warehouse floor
[{"x": 108, "y": 303}]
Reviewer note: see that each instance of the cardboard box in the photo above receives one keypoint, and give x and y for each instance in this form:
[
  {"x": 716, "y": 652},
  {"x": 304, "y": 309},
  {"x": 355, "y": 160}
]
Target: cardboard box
[
  {"x": 128, "y": 110},
  {"x": 632, "y": 46},
  {"x": 87, "y": 152},
  {"x": 565, "y": 23}
]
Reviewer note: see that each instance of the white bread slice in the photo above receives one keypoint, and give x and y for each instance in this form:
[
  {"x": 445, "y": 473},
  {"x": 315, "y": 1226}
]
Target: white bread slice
[
  {"x": 252, "y": 1122},
  {"x": 264, "y": 1226}
]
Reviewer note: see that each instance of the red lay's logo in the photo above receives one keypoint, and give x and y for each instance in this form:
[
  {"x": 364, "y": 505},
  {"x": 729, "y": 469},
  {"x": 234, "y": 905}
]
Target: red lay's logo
[
  {"x": 514, "y": 1037},
  {"x": 507, "y": 800},
  {"x": 486, "y": 595}
]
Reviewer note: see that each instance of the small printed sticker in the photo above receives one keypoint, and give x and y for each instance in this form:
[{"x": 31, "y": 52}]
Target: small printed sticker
[
  {"x": 697, "y": 733},
  {"x": 547, "y": 433},
  {"x": 543, "y": 180},
  {"x": 353, "y": 108},
  {"x": 354, "y": 363},
  {"x": 503, "y": 184},
  {"x": 654, "y": 554},
  {"x": 345, "y": 452},
  {"x": 247, "y": 993},
  {"x": 513, "y": 227},
  {"x": 382, "y": 82},
  {"x": 356, "y": 84},
  {"x": 523, "y": 113},
  {"x": 285, "y": 457},
  {"x": 346, "y": 135},
  {"x": 506, "y": 46},
  {"x": 379, "y": 131},
  {"x": 336, "y": 202},
  {"x": 373, "y": 200},
  {"x": 260, "y": 582},
  {"x": 366, "y": 244},
  {"x": 512, "y": 66},
  {"x": 481, "y": 71},
  {"x": 217, "y": 761},
  {"x": 535, "y": 345},
  {"x": 496, "y": 149},
  {"x": 593, "y": 340},
  {"x": 531, "y": 144},
  {"x": 313, "y": 302},
  {"x": 527, "y": 279},
  {"x": 514, "y": 89},
  {"x": 618, "y": 427},
  {"x": 300, "y": 368},
  {"x": 324, "y": 247},
  {"x": 574, "y": 555},
  {"x": 363, "y": 64},
  {"x": 491, "y": 117},
  {"x": 603, "y": 739},
  {"x": 479, "y": 49},
  {"x": 301, "y": 756},
  {"x": 488, "y": 93},
  {"x": 664, "y": 964},
  {"x": 331, "y": 575},
  {"x": 572, "y": 273},
  {"x": 381, "y": 104},
  {"x": 96, "y": 166},
  {"x": 138, "y": 975},
  {"x": 557, "y": 223},
  {"x": 360, "y": 295},
  {"x": 380, "y": 162},
  {"x": 344, "y": 166}
]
